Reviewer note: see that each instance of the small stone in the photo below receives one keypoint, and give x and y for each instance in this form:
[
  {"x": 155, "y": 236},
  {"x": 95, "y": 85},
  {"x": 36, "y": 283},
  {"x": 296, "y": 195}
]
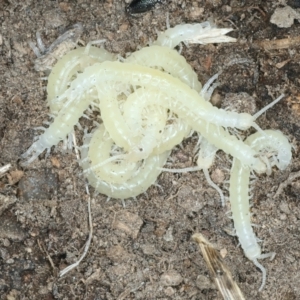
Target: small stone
[
  {"x": 13, "y": 295},
  {"x": 118, "y": 254},
  {"x": 123, "y": 27},
  {"x": 6, "y": 242},
  {"x": 284, "y": 17},
  {"x": 223, "y": 252},
  {"x": 161, "y": 229},
  {"x": 64, "y": 6},
  {"x": 10, "y": 228},
  {"x": 4, "y": 253},
  {"x": 189, "y": 199},
  {"x": 53, "y": 19},
  {"x": 38, "y": 185},
  {"x": 17, "y": 99},
  {"x": 10, "y": 261},
  {"x": 118, "y": 271},
  {"x": 204, "y": 283},
  {"x": 43, "y": 290},
  {"x": 239, "y": 102},
  {"x": 218, "y": 176},
  {"x": 168, "y": 237},
  {"x": 128, "y": 223},
  {"x": 169, "y": 291},
  {"x": 148, "y": 249},
  {"x": 197, "y": 12},
  {"x": 4, "y": 286},
  {"x": 283, "y": 206},
  {"x": 6, "y": 202},
  {"x": 282, "y": 217},
  {"x": 171, "y": 278}
]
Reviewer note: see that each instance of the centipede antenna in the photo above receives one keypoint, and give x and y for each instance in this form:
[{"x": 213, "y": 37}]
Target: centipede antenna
[
  {"x": 254, "y": 125},
  {"x": 267, "y": 255},
  {"x": 208, "y": 88},
  {"x": 158, "y": 186},
  {"x": 264, "y": 273},
  {"x": 259, "y": 113}
]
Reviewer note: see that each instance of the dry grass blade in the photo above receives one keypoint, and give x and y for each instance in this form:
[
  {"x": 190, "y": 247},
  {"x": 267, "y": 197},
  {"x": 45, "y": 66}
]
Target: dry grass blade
[{"x": 219, "y": 271}]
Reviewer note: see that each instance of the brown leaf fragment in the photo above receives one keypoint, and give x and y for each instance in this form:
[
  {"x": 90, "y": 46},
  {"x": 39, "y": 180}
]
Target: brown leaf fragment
[{"x": 55, "y": 162}]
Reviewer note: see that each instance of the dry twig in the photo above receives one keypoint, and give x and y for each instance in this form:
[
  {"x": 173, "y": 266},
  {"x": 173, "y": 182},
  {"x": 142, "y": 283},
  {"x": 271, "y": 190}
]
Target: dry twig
[{"x": 278, "y": 44}]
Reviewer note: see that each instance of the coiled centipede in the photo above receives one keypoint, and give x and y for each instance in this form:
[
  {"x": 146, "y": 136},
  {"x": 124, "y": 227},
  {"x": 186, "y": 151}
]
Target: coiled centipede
[{"x": 149, "y": 102}]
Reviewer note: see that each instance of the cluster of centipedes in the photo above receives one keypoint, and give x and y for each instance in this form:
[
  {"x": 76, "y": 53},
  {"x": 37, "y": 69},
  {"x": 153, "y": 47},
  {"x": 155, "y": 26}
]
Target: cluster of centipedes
[{"x": 149, "y": 102}]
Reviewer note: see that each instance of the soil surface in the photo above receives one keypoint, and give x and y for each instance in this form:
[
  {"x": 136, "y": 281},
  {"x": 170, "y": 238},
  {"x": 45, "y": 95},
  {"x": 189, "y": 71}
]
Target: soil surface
[{"x": 144, "y": 250}]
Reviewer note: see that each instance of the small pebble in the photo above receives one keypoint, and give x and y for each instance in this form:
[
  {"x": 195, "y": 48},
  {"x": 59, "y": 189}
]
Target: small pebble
[{"x": 171, "y": 278}]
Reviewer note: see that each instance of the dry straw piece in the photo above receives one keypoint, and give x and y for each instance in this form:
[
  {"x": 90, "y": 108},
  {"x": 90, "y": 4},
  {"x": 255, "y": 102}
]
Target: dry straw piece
[{"x": 219, "y": 271}]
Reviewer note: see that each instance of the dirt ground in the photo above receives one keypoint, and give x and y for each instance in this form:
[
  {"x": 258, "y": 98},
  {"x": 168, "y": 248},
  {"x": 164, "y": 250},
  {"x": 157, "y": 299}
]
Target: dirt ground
[{"x": 144, "y": 250}]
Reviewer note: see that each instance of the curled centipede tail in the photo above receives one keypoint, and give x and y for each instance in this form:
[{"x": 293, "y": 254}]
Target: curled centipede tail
[
  {"x": 264, "y": 273},
  {"x": 263, "y": 270}
]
